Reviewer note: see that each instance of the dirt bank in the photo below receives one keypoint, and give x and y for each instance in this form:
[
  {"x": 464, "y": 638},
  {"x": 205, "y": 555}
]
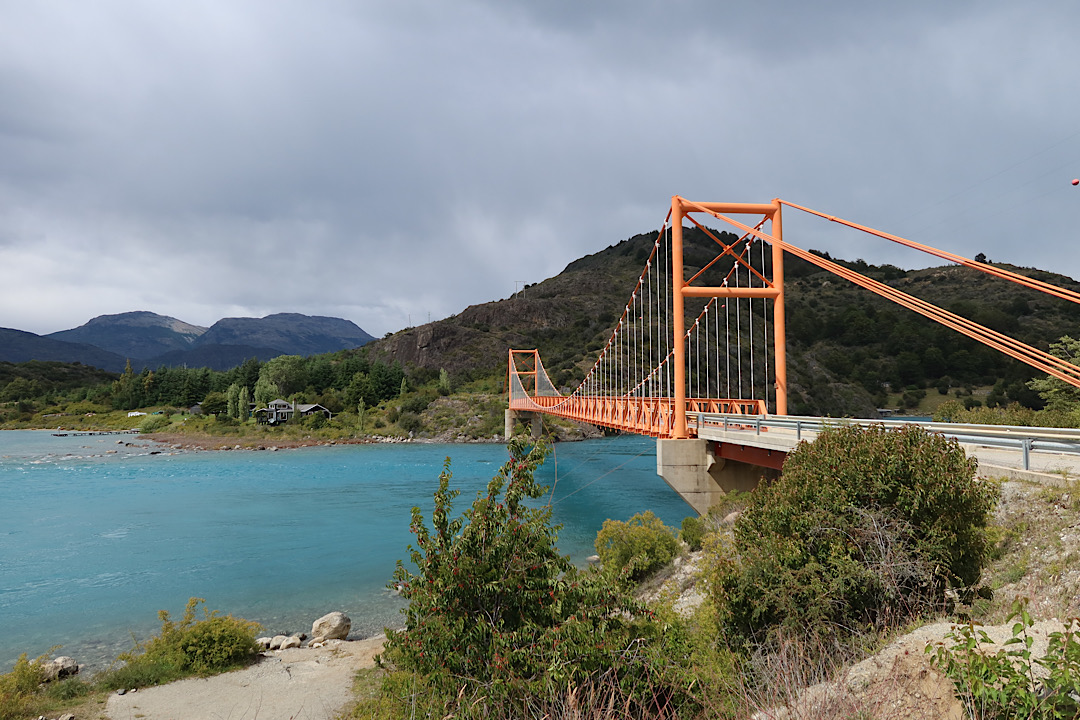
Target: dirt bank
[{"x": 299, "y": 683}]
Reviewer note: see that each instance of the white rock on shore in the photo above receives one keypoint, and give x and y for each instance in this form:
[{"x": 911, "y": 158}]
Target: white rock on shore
[
  {"x": 332, "y": 626},
  {"x": 59, "y": 668}
]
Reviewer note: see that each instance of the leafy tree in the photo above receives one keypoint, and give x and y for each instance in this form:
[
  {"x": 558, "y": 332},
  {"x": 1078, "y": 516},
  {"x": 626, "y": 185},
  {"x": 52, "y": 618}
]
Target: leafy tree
[
  {"x": 265, "y": 391},
  {"x": 243, "y": 403},
  {"x": 320, "y": 374},
  {"x": 20, "y": 389},
  {"x": 1058, "y": 394},
  {"x": 287, "y": 372},
  {"x": 444, "y": 382},
  {"x": 215, "y": 403},
  {"x": 232, "y": 397}
]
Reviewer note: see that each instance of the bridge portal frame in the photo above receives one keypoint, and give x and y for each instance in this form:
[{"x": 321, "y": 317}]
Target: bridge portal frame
[{"x": 681, "y": 289}]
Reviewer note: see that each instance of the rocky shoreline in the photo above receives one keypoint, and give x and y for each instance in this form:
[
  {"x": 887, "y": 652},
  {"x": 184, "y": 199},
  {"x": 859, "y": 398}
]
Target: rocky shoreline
[{"x": 295, "y": 676}]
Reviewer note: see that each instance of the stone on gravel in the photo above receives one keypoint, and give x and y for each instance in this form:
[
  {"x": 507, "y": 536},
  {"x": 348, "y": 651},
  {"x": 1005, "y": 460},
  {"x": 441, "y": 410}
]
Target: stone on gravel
[{"x": 332, "y": 626}]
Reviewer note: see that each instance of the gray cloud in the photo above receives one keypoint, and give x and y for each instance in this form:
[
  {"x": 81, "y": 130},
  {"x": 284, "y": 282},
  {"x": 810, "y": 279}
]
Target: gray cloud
[{"x": 383, "y": 162}]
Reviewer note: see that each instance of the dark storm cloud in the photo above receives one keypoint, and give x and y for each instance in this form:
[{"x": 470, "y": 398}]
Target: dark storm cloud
[{"x": 384, "y": 161}]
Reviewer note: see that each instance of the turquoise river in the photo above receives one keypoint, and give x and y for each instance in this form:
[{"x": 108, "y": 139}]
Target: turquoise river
[{"x": 100, "y": 532}]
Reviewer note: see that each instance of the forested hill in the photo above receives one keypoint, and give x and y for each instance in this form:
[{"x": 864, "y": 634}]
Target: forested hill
[
  {"x": 849, "y": 351},
  {"x": 847, "y": 348}
]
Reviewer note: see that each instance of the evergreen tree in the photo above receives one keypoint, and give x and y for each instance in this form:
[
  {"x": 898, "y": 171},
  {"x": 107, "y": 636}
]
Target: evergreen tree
[{"x": 1058, "y": 394}]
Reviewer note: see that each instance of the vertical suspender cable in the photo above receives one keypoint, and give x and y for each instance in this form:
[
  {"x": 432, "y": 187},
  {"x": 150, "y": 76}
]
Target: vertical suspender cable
[
  {"x": 765, "y": 332},
  {"x": 738, "y": 329},
  {"x": 667, "y": 313},
  {"x": 697, "y": 357},
  {"x": 707, "y": 365},
  {"x": 727, "y": 344},
  {"x": 750, "y": 312},
  {"x": 716, "y": 326}
]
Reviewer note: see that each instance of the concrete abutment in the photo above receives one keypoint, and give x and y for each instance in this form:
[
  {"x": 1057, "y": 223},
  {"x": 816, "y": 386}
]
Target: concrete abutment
[
  {"x": 693, "y": 469},
  {"x": 535, "y": 421}
]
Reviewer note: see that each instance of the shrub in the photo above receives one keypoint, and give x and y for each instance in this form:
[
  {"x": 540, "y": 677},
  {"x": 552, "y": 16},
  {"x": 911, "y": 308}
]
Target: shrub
[
  {"x": 153, "y": 423},
  {"x": 417, "y": 403},
  {"x": 692, "y": 532},
  {"x": 497, "y": 617},
  {"x": 314, "y": 421},
  {"x": 18, "y": 687},
  {"x": 215, "y": 643},
  {"x": 410, "y": 422},
  {"x": 643, "y": 544},
  {"x": 1003, "y": 685},
  {"x": 864, "y": 527}
]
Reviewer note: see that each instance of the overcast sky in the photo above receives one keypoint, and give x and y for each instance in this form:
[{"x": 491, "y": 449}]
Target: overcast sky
[{"x": 387, "y": 162}]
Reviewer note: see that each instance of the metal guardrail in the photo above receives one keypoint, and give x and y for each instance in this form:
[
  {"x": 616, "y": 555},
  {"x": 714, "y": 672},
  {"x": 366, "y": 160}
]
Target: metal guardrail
[{"x": 1015, "y": 437}]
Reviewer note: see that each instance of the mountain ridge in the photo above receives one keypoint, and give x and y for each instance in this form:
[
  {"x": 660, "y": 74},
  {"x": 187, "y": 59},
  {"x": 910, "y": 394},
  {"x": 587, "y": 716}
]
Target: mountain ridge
[{"x": 147, "y": 339}]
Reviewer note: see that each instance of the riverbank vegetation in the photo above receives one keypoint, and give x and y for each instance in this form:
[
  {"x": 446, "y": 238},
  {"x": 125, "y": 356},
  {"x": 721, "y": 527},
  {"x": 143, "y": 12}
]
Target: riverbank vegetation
[
  {"x": 865, "y": 532},
  {"x": 209, "y": 645},
  {"x": 365, "y": 400}
]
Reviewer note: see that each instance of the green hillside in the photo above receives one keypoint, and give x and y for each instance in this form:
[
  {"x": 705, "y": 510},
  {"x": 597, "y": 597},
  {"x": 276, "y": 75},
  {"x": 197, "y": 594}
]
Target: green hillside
[{"x": 849, "y": 351}]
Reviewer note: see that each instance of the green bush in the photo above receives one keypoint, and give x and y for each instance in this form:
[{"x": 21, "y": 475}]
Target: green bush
[
  {"x": 410, "y": 422},
  {"x": 417, "y": 403},
  {"x": 692, "y": 532},
  {"x": 1004, "y": 685},
  {"x": 213, "y": 644},
  {"x": 865, "y": 526},
  {"x": 154, "y": 423},
  {"x": 643, "y": 544},
  {"x": 315, "y": 421},
  {"x": 497, "y": 618},
  {"x": 18, "y": 687}
]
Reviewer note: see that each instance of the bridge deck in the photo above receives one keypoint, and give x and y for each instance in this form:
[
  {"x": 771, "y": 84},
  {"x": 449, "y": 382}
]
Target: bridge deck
[{"x": 993, "y": 461}]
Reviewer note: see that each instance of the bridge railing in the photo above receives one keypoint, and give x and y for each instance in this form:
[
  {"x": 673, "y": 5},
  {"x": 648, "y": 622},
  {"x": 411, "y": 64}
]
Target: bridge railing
[
  {"x": 1014, "y": 437},
  {"x": 650, "y": 416}
]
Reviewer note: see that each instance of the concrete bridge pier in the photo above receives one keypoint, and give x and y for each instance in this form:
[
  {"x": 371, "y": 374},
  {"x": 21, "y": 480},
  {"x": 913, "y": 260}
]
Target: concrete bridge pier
[
  {"x": 694, "y": 469},
  {"x": 534, "y": 419}
]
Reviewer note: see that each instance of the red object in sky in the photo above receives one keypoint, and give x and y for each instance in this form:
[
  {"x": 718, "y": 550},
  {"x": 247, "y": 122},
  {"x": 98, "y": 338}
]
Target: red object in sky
[{"x": 1076, "y": 181}]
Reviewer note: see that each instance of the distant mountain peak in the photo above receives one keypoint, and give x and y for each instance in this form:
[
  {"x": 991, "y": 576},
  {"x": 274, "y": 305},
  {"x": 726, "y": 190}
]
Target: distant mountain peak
[
  {"x": 144, "y": 319},
  {"x": 138, "y": 335}
]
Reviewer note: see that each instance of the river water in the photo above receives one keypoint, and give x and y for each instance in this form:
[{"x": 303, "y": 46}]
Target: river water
[{"x": 98, "y": 533}]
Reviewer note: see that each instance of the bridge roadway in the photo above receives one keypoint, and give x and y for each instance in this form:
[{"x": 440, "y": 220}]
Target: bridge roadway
[
  {"x": 1050, "y": 451},
  {"x": 739, "y": 450}
]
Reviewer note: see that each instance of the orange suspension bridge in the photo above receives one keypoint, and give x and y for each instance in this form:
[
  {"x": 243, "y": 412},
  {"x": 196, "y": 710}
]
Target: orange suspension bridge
[{"x": 662, "y": 366}]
